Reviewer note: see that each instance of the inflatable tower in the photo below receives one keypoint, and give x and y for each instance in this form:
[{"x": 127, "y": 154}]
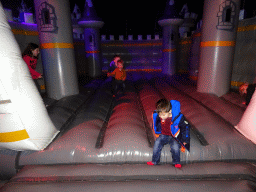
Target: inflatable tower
[
  {"x": 220, "y": 20},
  {"x": 170, "y": 23},
  {"x": 56, "y": 39},
  {"x": 91, "y": 24}
]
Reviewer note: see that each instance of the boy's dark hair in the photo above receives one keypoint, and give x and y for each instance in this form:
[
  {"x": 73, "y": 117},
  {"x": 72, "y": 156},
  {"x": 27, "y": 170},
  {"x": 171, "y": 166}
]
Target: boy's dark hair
[
  {"x": 29, "y": 48},
  {"x": 163, "y": 105}
]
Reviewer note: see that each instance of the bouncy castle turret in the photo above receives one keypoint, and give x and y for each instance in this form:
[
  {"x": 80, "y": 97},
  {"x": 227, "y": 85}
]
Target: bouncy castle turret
[
  {"x": 77, "y": 29},
  {"x": 91, "y": 24},
  {"x": 189, "y": 21},
  {"x": 170, "y": 23},
  {"x": 218, "y": 35},
  {"x": 57, "y": 48}
]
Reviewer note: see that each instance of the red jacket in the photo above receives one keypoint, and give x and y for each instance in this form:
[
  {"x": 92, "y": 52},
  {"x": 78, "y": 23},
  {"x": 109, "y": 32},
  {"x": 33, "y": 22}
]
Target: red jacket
[
  {"x": 31, "y": 62},
  {"x": 119, "y": 75}
]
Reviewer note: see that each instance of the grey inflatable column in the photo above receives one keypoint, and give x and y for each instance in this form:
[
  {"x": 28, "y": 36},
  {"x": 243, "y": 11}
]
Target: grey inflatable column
[
  {"x": 91, "y": 24},
  {"x": 56, "y": 39},
  {"x": 170, "y": 23},
  {"x": 220, "y": 20}
]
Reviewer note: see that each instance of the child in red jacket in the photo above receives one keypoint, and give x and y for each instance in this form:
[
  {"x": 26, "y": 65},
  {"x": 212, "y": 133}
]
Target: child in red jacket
[
  {"x": 120, "y": 77},
  {"x": 30, "y": 56}
]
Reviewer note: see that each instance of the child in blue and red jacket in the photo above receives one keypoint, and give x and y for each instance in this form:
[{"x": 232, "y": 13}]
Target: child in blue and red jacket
[{"x": 171, "y": 128}]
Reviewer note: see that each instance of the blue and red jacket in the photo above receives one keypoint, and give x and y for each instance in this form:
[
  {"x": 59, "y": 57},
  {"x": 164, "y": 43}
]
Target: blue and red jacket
[{"x": 180, "y": 128}]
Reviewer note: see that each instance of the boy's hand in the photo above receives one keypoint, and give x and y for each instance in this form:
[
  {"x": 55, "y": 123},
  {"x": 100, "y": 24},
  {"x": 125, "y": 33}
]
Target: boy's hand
[{"x": 108, "y": 74}]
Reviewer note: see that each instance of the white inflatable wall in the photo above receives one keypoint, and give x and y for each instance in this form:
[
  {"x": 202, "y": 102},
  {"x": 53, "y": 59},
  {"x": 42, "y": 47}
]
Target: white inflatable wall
[
  {"x": 247, "y": 124},
  {"x": 24, "y": 121}
]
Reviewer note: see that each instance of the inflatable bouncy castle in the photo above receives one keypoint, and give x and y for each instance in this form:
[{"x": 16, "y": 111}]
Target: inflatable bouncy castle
[{"x": 92, "y": 141}]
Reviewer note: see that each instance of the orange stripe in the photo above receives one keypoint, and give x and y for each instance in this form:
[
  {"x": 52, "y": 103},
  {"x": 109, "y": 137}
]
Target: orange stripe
[
  {"x": 196, "y": 35},
  {"x": 217, "y": 43},
  {"x": 13, "y": 136},
  {"x": 177, "y": 133},
  {"x": 246, "y": 28},
  {"x": 23, "y": 32},
  {"x": 56, "y": 45},
  {"x": 92, "y": 51},
  {"x": 169, "y": 50},
  {"x": 185, "y": 42}
]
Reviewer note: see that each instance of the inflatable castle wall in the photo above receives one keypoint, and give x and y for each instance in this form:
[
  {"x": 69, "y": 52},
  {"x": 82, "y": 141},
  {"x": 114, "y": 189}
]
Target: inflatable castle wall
[{"x": 144, "y": 52}]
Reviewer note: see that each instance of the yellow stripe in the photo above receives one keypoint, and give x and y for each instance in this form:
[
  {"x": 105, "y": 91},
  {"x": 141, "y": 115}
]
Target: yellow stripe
[
  {"x": 246, "y": 28},
  {"x": 236, "y": 83},
  {"x": 217, "y": 43},
  {"x": 23, "y": 32},
  {"x": 56, "y": 45},
  {"x": 14, "y": 136}
]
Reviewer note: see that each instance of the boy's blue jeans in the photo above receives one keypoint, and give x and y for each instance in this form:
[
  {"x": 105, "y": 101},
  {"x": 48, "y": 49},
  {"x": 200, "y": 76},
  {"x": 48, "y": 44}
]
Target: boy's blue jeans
[{"x": 159, "y": 144}]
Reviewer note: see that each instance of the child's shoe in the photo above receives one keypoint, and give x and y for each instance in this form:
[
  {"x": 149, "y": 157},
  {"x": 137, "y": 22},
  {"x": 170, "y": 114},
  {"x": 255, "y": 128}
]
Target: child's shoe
[
  {"x": 114, "y": 95},
  {"x": 150, "y": 163},
  {"x": 177, "y": 165}
]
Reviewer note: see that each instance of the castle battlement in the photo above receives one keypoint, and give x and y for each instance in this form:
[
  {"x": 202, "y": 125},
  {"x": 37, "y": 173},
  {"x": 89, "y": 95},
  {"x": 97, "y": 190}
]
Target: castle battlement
[{"x": 129, "y": 38}]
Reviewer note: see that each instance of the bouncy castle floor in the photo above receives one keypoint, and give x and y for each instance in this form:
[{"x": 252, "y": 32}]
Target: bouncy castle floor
[{"x": 105, "y": 142}]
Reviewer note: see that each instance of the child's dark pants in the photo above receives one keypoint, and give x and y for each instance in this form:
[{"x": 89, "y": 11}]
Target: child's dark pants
[{"x": 119, "y": 85}]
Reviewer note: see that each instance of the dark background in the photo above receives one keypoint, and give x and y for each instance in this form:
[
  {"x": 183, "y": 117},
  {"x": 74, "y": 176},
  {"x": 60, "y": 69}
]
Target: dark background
[{"x": 133, "y": 17}]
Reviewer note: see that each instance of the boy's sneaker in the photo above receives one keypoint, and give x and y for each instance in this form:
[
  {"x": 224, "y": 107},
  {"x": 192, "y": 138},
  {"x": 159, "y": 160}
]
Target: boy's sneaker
[
  {"x": 177, "y": 165},
  {"x": 150, "y": 163},
  {"x": 114, "y": 95}
]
